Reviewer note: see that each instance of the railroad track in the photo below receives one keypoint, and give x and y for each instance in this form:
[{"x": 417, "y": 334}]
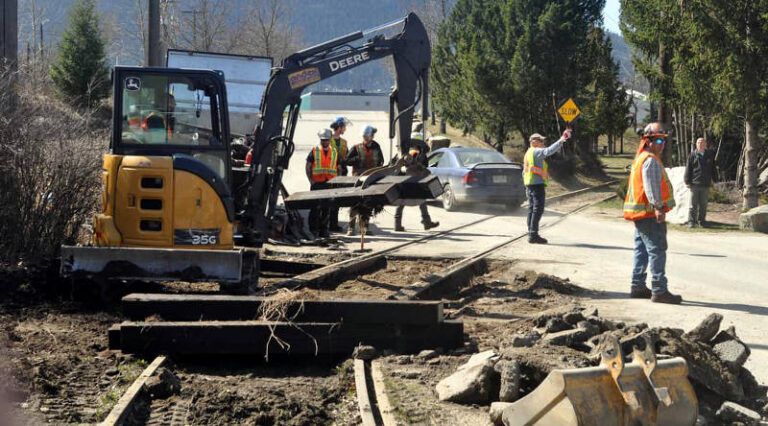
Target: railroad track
[
  {"x": 337, "y": 272},
  {"x": 375, "y": 409},
  {"x": 374, "y": 406}
]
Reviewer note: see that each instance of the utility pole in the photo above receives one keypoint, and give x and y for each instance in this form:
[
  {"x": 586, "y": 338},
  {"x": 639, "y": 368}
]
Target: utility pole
[
  {"x": 194, "y": 13},
  {"x": 154, "y": 49},
  {"x": 9, "y": 34}
]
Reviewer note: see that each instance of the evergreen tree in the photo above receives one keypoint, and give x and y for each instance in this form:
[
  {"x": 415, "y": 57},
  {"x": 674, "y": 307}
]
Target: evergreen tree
[
  {"x": 506, "y": 65},
  {"x": 80, "y": 72}
]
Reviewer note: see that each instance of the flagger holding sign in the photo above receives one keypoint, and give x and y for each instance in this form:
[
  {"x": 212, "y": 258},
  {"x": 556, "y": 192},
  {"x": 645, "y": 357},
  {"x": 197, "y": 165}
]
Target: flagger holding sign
[{"x": 536, "y": 170}]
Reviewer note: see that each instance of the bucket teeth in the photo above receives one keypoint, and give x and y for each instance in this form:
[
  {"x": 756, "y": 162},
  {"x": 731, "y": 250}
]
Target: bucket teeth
[
  {"x": 613, "y": 360},
  {"x": 644, "y": 355}
]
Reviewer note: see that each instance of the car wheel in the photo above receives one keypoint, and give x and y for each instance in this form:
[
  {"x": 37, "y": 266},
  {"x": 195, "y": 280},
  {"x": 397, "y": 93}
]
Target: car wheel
[{"x": 449, "y": 201}]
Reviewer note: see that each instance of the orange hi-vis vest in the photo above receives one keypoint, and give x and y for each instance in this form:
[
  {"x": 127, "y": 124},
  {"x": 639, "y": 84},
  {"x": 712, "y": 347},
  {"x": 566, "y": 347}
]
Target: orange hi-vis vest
[
  {"x": 324, "y": 168},
  {"x": 369, "y": 158},
  {"x": 636, "y": 204}
]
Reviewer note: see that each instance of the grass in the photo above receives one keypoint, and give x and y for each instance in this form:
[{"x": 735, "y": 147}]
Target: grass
[
  {"x": 403, "y": 416},
  {"x": 614, "y": 204},
  {"x": 128, "y": 373}
]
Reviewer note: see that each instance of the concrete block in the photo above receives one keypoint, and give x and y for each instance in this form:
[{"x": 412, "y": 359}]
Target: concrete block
[
  {"x": 733, "y": 352},
  {"x": 731, "y": 412},
  {"x": 755, "y": 220}
]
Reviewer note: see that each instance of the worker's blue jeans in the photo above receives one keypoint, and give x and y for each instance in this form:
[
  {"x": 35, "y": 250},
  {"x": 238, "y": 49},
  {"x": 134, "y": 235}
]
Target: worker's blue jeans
[
  {"x": 650, "y": 246},
  {"x": 536, "y": 196}
]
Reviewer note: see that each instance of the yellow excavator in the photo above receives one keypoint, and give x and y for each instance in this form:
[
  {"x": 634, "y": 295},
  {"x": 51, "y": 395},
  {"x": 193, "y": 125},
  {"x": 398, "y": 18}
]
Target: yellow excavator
[{"x": 174, "y": 206}]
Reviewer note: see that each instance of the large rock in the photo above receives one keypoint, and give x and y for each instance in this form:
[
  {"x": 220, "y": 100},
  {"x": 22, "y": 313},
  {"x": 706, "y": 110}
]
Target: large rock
[
  {"x": 704, "y": 366},
  {"x": 497, "y": 409},
  {"x": 755, "y": 219},
  {"x": 705, "y": 331},
  {"x": 731, "y": 412},
  {"x": 470, "y": 385},
  {"x": 567, "y": 337},
  {"x": 679, "y": 214},
  {"x": 509, "y": 390},
  {"x": 525, "y": 340}
]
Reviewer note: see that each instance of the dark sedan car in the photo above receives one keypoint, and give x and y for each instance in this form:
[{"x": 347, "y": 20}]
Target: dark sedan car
[{"x": 476, "y": 175}]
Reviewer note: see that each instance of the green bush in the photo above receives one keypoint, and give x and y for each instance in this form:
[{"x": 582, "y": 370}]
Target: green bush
[{"x": 717, "y": 196}]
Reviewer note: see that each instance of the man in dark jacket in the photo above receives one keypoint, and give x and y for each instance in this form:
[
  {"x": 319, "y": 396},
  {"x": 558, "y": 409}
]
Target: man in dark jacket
[
  {"x": 698, "y": 177},
  {"x": 416, "y": 164}
]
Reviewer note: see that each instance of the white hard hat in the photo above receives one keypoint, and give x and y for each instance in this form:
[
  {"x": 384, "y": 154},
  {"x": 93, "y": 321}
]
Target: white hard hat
[
  {"x": 325, "y": 134},
  {"x": 417, "y": 135}
]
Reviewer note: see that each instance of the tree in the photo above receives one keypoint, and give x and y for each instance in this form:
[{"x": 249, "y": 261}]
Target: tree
[
  {"x": 80, "y": 72},
  {"x": 505, "y": 65},
  {"x": 718, "y": 45}
]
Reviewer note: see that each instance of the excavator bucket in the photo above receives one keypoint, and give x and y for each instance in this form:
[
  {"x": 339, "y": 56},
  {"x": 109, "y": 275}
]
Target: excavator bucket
[{"x": 643, "y": 392}]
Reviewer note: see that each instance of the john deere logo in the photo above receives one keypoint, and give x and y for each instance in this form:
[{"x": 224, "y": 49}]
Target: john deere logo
[{"x": 132, "y": 84}]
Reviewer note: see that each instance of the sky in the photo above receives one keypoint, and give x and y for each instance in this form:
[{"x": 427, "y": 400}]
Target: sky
[{"x": 611, "y": 16}]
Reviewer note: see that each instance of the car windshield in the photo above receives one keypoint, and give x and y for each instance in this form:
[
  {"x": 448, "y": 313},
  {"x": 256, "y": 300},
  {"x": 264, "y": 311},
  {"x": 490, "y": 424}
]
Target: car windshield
[{"x": 470, "y": 158}]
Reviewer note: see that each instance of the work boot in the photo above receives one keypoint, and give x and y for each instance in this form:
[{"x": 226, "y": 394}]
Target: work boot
[
  {"x": 351, "y": 231},
  {"x": 667, "y": 297},
  {"x": 642, "y": 293},
  {"x": 428, "y": 224},
  {"x": 537, "y": 239},
  {"x": 691, "y": 225}
]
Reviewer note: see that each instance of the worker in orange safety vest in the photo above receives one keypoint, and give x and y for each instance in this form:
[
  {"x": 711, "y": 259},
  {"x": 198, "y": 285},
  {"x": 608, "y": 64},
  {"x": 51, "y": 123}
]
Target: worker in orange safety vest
[
  {"x": 322, "y": 166},
  {"x": 649, "y": 198}
]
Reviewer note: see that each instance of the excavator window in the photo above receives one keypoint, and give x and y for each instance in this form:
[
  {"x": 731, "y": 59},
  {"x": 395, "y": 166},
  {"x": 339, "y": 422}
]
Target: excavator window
[{"x": 164, "y": 113}]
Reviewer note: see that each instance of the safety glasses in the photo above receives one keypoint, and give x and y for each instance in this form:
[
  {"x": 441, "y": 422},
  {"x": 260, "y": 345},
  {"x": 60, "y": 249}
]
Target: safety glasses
[{"x": 659, "y": 141}]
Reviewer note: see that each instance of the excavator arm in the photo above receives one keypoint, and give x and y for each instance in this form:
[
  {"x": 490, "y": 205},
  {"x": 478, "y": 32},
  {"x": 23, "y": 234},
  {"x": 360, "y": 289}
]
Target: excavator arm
[{"x": 273, "y": 144}]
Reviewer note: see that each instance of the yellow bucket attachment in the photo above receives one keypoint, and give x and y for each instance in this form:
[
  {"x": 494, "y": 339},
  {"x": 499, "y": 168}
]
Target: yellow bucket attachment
[{"x": 643, "y": 392}]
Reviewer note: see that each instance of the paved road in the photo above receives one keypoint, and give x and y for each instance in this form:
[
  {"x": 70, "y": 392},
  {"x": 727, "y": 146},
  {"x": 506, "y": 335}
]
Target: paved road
[{"x": 715, "y": 272}]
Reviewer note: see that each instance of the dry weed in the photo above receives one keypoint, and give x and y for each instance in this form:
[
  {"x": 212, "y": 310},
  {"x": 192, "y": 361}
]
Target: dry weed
[
  {"x": 49, "y": 172},
  {"x": 282, "y": 308}
]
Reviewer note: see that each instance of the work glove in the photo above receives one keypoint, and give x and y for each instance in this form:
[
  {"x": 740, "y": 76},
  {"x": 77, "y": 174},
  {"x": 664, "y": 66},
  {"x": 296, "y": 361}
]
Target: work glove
[{"x": 566, "y": 134}]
